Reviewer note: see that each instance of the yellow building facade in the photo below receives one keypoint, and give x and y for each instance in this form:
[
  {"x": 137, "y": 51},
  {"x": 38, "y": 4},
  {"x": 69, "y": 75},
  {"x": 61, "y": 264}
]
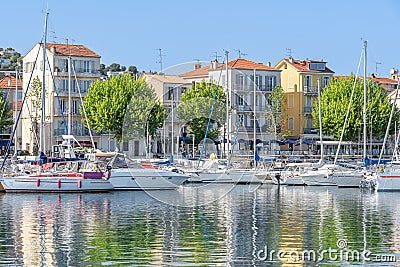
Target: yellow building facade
[{"x": 299, "y": 80}]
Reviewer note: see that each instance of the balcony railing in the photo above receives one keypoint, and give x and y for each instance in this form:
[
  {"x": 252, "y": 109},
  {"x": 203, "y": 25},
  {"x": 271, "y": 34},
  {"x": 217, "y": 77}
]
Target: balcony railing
[
  {"x": 78, "y": 71},
  {"x": 307, "y": 110},
  {"x": 311, "y": 130},
  {"x": 250, "y": 88},
  {"x": 310, "y": 90}
]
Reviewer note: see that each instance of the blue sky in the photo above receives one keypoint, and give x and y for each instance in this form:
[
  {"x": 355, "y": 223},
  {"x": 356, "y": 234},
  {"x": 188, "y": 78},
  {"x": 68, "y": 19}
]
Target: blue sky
[{"x": 129, "y": 32}]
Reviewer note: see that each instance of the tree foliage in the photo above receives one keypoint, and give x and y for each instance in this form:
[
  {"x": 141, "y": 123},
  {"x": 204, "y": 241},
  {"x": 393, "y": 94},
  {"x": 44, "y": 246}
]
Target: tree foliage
[
  {"x": 196, "y": 107},
  {"x": 276, "y": 113},
  {"x": 334, "y": 104},
  {"x": 6, "y": 117},
  {"x": 107, "y": 103},
  {"x": 144, "y": 112},
  {"x": 35, "y": 97}
]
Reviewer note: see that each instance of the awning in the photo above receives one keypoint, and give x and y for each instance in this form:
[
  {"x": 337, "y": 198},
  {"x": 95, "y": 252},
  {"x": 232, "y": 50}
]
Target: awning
[{"x": 4, "y": 142}]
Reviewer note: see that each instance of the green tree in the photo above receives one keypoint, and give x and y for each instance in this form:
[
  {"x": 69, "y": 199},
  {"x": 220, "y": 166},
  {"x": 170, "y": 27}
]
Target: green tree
[
  {"x": 334, "y": 104},
  {"x": 143, "y": 113},
  {"x": 196, "y": 107},
  {"x": 133, "y": 70},
  {"x": 6, "y": 117},
  {"x": 115, "y": 67},
  {"x": 276, "y": 113},
  {"x": 107, "y": 103},
  {"x": 35, "y": 97}
]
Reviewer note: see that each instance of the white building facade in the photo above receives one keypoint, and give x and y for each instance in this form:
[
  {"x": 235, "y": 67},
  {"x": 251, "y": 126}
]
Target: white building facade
[{"x": 84, "y": 70}]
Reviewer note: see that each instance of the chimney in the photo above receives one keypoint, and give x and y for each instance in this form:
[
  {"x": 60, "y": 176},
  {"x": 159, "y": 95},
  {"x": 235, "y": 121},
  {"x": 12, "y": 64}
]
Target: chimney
[
  {"x": 291, "y": 60},
  {"x": 197, "y": 66},
  {"x": 214, "y": 64},
  {"x": 53, "y": 49},
  {"x": 268, "y": 63},
  {"x": 9, "y": 82}
]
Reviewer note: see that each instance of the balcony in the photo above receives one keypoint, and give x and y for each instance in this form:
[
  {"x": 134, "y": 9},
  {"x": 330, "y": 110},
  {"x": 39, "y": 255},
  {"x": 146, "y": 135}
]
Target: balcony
[
  {"x": 311, "y": 131},
  {"x": 307, "y": 110},
  {"x": 310, "y": 90},
  {"x": 78, "y": 71},
  {"x": 250, "y": 88}
]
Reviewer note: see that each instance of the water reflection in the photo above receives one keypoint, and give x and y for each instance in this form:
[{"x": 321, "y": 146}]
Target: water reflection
[{"x": 134, "y": 228}]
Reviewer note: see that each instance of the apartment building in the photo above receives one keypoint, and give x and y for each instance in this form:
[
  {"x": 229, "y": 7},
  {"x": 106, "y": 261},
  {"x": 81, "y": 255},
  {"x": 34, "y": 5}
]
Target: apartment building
[
  {"x": 300, "y": 79},
  {"x": 249, "y": 85},
  {"x": 83, "y": 70},
  {"x": 8, "y": 88},
  {"x": 169, "y": 90}
]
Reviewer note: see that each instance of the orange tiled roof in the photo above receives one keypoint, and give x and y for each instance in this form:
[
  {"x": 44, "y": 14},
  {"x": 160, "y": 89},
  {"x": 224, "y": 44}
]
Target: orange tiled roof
[
  {"x": 304, "y": 65},
  {"x": 4, "y": 82},
  {"x": 200, "y": 72},
  {"x": 239, "y": 63},
  {"x": 378, "y": 80},
  {"x": 385, "y": 80},
  {"x": 73, "y": 50},
  {"x": 242, "y": 63}
]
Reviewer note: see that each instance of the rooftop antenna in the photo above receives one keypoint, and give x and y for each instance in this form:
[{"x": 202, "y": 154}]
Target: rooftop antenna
[
  {"x": 67, "y": 43},
  {"x": 216, "y": 56},
  {"x": 289, "y": 52},
  {"x": 160, "y": 58},
  {"x": 376, "y": 68},
  {"x": 240, "y": 53},
  {"x": 53, "y": 37}
]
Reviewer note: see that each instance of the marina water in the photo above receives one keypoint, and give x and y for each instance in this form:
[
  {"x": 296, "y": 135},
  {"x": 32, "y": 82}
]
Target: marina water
[{"x": 217, "y": 225}]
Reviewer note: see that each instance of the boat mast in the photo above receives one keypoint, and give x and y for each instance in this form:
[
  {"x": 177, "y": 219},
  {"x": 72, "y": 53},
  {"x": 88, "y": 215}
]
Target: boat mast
[
  {"x": 69, "y": 123},
  {"x": 320, "y": 122},
  {"x": 42, "y": 138},
  {"x": 365, "y": 103},
  {"x": 16, "y": 111},
  {"x": 228, "y": 125},
  {"x": 254, "y": 118}
]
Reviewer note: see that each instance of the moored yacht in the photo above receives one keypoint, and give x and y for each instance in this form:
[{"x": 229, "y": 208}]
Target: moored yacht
[
  {"x": 61, "y": 177},
  {"x": 125, "y": 174}
]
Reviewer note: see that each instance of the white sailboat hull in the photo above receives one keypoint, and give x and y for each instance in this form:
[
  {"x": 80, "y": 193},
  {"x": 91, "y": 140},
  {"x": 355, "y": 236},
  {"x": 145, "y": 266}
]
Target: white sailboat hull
[
  {"x": 347, "y": 178},
  {"x": 145, "y": 179},
  {"x": 54, "y": 184},
  {"x": 388, "y": 181},
  {"x": 227, "y": 176},
  {"x": 317, "y": 179}
]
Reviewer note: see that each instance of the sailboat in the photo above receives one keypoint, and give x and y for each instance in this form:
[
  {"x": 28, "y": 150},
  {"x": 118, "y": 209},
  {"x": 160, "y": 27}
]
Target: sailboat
[
  {"x": 353, "y": 177},
  {"x": 388, "y": 177},
  {"x": 320, "y": 174},
  {"x": 52, "y": 175}
]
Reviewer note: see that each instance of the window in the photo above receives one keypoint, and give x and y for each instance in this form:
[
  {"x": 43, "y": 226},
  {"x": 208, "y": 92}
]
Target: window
[
  {"x": 240, "y": 81},
  {"x": 75, "y": 107},
  {"x": 309, "y": 122},
  {"x": 86, "y": 66},
  {"x": 307, "y": 81},
  {"x": 62, "y": 105},
  {"x": 317, "y": 66},
  {"x": 290, "y": 101},
  {"x": 325, "y": 81},
  {"x": 291, "y": 123},
  {"x": 270, "y": 82},
  {"x": 309, "y": 101},
  {"x": 239, "y": 100},
  {"x": 125, "y": 146},
  {"x": 63, "y": 65},
  {"x": 170, "y": 94}
]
